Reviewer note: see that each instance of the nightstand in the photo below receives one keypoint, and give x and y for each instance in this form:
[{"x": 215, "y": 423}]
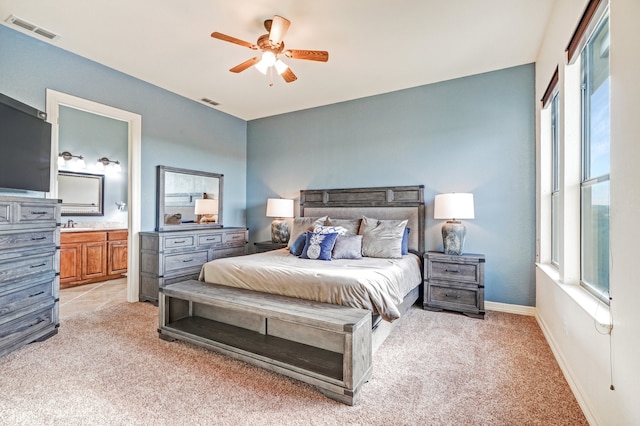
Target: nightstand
[
  {"x": 454, "y": 283},
  {"x": 262, "y": 246}
]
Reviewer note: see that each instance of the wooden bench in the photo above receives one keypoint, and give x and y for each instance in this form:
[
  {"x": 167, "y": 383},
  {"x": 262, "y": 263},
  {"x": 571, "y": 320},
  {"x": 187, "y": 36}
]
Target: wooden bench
[{"x": 325, "y": 345}]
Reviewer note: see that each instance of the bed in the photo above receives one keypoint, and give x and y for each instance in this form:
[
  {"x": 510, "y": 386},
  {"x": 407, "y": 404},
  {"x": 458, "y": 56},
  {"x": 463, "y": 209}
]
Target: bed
[{"x": 313, "y": 303}]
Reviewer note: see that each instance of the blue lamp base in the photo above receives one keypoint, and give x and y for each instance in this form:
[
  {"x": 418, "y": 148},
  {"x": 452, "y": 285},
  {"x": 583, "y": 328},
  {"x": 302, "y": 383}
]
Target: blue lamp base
[
  {"x": 453, "y": 233},
  {"x": 279, "y": 231}
]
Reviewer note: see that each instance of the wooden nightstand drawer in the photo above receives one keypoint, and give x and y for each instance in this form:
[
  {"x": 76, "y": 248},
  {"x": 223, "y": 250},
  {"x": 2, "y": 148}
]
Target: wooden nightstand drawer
[
  {"x": 463, "y": 272},
  {"x": 452, "y": 298}
]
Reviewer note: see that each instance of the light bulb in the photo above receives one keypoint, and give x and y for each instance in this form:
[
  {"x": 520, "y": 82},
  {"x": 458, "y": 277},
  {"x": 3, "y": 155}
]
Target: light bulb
[
  {"x": 262, "y": 67},
  {"x": 281, "y": 66},
  {"x": 268, "y": 58}
]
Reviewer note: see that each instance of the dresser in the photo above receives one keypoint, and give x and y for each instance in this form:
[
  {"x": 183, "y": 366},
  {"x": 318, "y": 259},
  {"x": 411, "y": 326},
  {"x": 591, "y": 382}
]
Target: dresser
[
  {"x": 169, "y": 257},
  {"x": 454, "y": 283},
  {"x": 29, "y": 267}
]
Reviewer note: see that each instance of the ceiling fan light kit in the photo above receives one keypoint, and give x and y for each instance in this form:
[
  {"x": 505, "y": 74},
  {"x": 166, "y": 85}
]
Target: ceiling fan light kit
[{"x": 272, "y": 45}]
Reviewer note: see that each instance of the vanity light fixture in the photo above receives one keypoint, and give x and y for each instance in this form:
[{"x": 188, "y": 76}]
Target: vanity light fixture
[
  {"x": 104, "y": 162},
  {"x": 66, "y": 157}
]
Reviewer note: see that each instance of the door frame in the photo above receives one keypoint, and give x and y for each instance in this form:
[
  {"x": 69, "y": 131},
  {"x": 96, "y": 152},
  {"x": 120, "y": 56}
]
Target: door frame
[{"x": 56, "y": 99}]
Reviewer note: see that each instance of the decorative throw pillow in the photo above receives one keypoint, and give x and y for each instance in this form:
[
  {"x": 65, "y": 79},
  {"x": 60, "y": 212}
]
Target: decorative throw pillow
[
  {"x": 405, "y": 241},
  {"x": 330, "y": 230},
  {"x": 382, "y": 238},
  {"x": 347, "y": 247},
  {"x": 298, "y": 244},
  {"x": 318, "y": 246},
  {"x": 351, "y": 225},
  {"x": 304, "y": 224}
]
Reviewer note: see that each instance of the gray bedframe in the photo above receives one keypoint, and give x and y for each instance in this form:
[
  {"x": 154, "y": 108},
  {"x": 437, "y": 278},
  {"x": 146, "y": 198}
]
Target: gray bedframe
[
  {"x": 389, "y": 202},
  {"x": 328, "y": 346}
]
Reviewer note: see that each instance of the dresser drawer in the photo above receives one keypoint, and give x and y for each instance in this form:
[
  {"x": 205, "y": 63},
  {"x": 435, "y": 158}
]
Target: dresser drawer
[
  {"x": 22, "y": 268},
  {"x": 207, "y": 239},
  {"x": 184, "y": 261},
  {"x": 234, "y": 238},
  {"x": 19, "y": 296},
  {"x": 182, "y": 241},
  {"x": 30, "y": 323},
  {"x": 452, "y": 298},
  {"x": 450, "y": 271},
  {"x": 36, "y": 213},
  {"x": 5, "y": 212},
  {"x": 27, "y": 239}
]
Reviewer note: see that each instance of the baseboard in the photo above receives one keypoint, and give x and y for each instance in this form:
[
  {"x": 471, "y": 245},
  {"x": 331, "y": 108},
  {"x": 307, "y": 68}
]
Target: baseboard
[
  {"x": 582, "y": 400},
  {"x": 510, "y": 309}
]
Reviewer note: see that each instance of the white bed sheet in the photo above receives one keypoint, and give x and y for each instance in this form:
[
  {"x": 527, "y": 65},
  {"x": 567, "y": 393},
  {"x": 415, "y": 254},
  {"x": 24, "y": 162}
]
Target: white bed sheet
[{"x": 378, "y": 285}]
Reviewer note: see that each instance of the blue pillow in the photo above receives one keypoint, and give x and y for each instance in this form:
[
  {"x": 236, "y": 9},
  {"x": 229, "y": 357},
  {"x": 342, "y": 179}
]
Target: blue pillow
[
  {"x": 298, "y": 244},
  {"x": 318, "y": 246},
  {"x": 405, "y": 241}
]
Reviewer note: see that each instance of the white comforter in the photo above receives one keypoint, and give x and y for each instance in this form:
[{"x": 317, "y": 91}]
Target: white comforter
[{"x": 378, "y": 285}]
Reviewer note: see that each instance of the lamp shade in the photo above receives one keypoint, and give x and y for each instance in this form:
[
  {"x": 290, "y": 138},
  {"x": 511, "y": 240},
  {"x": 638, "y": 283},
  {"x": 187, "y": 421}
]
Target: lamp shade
[
  {"x": 279, "y": 207},
  {"x": 453, "y": 206},
  {"x": 206, "y": 206}
]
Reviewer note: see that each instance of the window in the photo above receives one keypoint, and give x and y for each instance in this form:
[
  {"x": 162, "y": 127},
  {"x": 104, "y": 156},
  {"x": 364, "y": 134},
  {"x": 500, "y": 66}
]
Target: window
[
  {"x": 555, "y": 180},
  {"x": 594, "y": 186}
]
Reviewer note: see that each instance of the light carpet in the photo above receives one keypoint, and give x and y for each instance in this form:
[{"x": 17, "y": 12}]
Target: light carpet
[{"x": 109, "y": 367}]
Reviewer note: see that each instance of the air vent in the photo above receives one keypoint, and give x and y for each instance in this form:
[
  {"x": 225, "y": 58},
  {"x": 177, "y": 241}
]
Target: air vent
[
  {"x": 210, "y": 102},
  {"x": 28, "y": 26}
]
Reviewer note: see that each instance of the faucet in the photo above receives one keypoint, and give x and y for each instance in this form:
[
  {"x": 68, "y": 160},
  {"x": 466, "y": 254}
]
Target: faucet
[{"x": 70, "y": 223}]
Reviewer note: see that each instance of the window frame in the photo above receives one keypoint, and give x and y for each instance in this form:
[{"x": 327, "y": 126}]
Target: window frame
[{"x": 587, "y": 180}]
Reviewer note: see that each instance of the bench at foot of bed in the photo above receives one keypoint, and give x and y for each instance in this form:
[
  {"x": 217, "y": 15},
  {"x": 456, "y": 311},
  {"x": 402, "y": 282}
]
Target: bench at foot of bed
[{"x": 327, "y": 346}]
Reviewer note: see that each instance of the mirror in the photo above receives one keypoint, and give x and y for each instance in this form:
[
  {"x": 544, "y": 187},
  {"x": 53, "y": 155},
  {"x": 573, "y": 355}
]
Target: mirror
[
  {"x": 81, "y": 194},
  {"x": 188, "y": 199}
]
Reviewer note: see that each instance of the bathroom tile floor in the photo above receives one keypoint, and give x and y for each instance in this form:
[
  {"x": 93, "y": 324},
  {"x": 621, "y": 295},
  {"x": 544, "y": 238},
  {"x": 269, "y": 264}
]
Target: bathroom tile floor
[{"x": 92, "y": 297}]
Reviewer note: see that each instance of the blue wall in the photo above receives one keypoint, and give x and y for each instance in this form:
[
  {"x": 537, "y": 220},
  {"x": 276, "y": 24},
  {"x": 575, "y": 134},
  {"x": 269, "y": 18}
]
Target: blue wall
[
  {"x": 175, "y": 131},
  {"x": 474, "y": 134}
]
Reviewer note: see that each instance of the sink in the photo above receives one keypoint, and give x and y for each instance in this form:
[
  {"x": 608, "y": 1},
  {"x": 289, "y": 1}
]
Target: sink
[{"x": 77, "y": 229}]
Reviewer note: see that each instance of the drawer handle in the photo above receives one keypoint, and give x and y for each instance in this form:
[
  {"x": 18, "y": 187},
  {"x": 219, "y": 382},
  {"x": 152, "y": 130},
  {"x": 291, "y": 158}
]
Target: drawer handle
[
  {"x": 453, "y": 271},
  {"x": 38, "y": 266},
  {"x": 187, "y": 260},
  {"x": 210, "y": 239},
  {"x": 38, "y": 238},
  {"x": 452, "y": 296},
  {"x": 180, "y": 242},
  {"x": 38, "y": 212},
  {"x": 36, "y": 294}
]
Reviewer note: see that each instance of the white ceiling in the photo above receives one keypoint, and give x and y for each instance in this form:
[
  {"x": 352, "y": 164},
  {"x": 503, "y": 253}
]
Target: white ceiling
[{"x": 375, "y": 46}]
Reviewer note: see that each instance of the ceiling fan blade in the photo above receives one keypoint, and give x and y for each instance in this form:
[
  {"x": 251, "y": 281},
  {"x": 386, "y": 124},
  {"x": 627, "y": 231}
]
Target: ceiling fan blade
[
  {"x": 311, "y": 55},
  {"x": 246, "y": 64},
  {"x": 230, "y": 39},
  {"x": 278, "y": 29},
  {"x": 288, "y": 75}
]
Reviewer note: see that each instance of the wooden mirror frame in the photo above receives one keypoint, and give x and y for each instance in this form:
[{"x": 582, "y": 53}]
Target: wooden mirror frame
[{"x": 161, "y": 207}]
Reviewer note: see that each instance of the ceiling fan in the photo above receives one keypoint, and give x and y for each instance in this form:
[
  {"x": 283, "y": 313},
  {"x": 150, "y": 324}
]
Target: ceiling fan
[{"x": 271, "y": 45}]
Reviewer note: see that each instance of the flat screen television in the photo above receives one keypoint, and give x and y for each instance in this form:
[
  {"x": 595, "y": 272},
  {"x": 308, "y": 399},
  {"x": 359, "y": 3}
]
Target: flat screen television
[{"x": 25, "y": 147}]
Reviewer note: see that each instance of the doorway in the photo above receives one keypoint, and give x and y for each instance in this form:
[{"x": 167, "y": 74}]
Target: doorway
[{"x": 55, "y": 100}]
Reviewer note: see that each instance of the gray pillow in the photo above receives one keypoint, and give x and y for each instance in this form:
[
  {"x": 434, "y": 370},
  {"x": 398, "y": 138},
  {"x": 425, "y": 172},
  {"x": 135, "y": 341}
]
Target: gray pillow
[
  {"x": 351, "y": 225},
  {"x": 348, "y": 247},
  {"x": 304, "y": 224},
  {"x": 382, "y": 238}
]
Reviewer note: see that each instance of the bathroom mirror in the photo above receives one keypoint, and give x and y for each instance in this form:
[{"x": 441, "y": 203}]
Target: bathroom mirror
[
  {"x": 82, "y": 194},
  {"x": 188, "y": 199}
]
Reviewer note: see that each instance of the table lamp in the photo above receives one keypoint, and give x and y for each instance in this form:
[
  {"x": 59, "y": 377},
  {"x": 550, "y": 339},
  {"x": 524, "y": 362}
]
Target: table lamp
[
  {"x": 206, "y": 208},
  {"x": 453, "y": 207},
  {"x": 279, "y": 208}
]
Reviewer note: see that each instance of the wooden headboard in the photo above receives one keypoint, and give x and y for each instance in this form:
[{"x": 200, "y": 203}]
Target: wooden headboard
[{"x": 387, "y": 202}]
